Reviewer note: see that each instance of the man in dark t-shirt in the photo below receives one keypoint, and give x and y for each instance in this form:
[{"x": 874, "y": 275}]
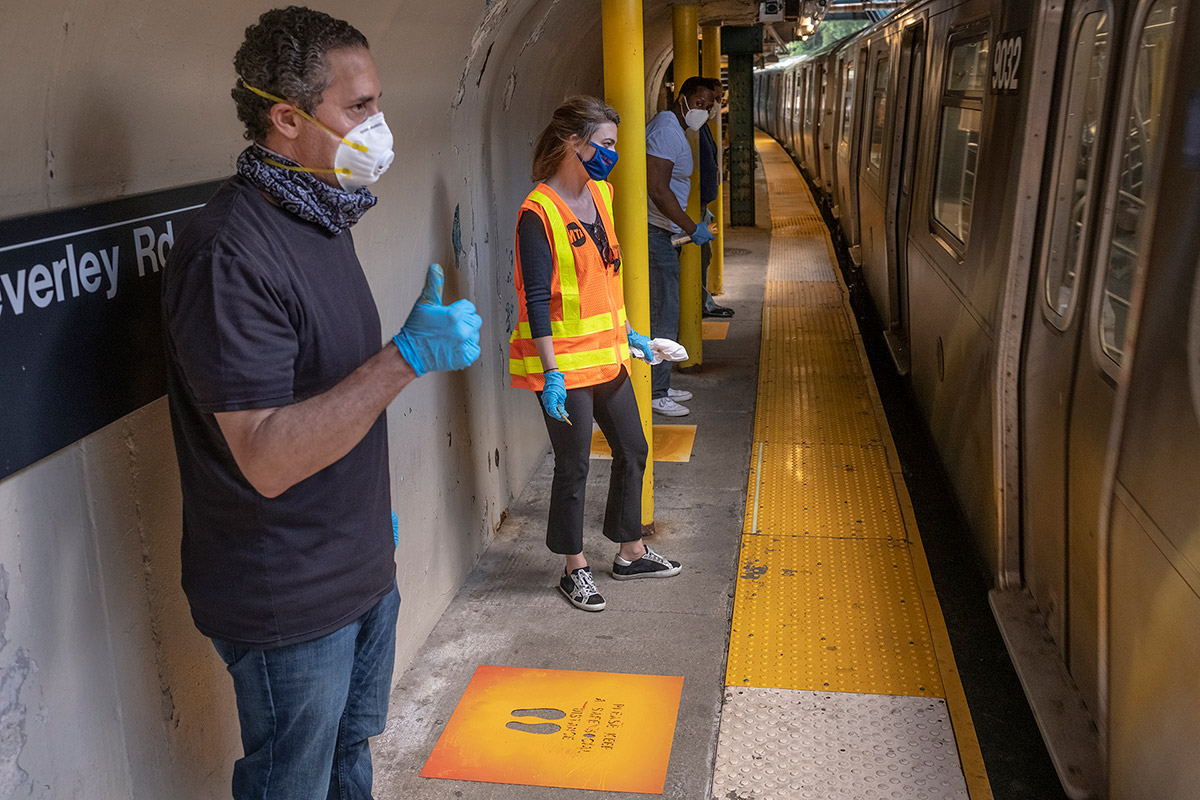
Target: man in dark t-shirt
[{"x": 277, "y": 388}]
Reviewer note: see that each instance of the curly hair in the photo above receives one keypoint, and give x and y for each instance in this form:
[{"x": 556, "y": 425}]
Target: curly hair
[
  {"x": 578, "y": 116},
  {"x": 284, "y": 54},
  {"x": 695, "y": 84}
]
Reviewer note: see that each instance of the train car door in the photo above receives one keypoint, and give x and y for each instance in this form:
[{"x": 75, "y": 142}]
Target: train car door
[
  {"x": 1134, "y": 153},
  {"x": 910, "y": 84},
  {"x": 1070, "y": 376},
  {"x": 814, "y": 143},
  {"x": 793, "y": 121},
  {"x": 857, "y": 99},
  {"x": 1054, "y": 328},
  {"x": 1153, "y": 540}
]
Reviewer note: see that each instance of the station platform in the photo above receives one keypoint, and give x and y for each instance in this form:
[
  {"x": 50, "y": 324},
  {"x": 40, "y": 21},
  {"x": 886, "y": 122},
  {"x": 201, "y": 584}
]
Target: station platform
[{"x": 801, "y": 653}]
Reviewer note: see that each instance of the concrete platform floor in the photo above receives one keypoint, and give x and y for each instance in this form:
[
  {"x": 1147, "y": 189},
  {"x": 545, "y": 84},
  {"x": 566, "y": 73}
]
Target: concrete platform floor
[{"x": 510, "y": 612}]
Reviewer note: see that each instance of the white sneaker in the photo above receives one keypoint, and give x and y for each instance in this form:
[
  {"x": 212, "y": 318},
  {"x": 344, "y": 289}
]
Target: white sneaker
[
  {"x": 679, "y": 395},
  {"x": 668, "y": 407}
]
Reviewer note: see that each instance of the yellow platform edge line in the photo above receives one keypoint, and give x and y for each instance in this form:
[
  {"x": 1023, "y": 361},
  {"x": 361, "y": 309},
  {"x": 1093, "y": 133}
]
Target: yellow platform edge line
[{"x": 969, "y": 754}]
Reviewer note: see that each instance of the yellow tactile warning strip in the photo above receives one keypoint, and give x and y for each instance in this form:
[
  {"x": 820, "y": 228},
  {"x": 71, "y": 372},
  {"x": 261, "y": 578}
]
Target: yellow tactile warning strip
[
  {"x": 834, "y": 593},
  {"x": 671, "y": 443},
  {"x": 823, "y": 489},
  {"x": 822, "y": 613}
]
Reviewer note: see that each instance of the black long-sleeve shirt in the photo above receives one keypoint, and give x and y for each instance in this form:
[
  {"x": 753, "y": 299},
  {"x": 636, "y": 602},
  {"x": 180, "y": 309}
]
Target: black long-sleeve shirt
[{"x": 537, "y": 266}]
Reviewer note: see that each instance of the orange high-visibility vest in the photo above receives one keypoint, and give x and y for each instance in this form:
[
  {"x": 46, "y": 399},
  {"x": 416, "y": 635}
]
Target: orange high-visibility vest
[{"x": 587, "y": 298}]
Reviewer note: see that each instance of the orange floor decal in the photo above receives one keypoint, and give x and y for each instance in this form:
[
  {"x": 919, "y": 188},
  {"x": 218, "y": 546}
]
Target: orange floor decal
[
  {"x": 671, "y": 443},
  {"x": 712, "y": 329},
  {"x": 571, "y": 730}
]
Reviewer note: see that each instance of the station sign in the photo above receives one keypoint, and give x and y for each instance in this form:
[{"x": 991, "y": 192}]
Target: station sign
[{"x": 80, "y": 326}]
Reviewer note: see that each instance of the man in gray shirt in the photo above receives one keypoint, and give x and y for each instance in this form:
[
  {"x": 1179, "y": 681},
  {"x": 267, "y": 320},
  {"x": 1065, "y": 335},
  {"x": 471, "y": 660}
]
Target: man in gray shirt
[{"x": 668, "y": 178}]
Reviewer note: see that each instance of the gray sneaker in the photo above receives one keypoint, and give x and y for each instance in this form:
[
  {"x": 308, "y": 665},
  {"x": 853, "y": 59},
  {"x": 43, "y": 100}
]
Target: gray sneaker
[
  {"x": 579, "y": 588},
  {"x": 649, "y": 565}
]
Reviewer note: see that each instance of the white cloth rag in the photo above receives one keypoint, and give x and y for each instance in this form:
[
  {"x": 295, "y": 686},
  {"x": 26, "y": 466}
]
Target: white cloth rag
[{"x": 662, "y": 350}]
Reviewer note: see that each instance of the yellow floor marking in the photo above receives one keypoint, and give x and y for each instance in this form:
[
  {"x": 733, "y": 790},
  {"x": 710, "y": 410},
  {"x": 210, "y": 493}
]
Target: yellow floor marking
[
  {"x": 842, "y": 491},
  {"x": 572, "y": 730},
  {"x": 714, "y": 329},
  {"x": 834, "y": 592},
  {"x": 822, "y": 614},
  {"x": 671, "y": 443}
]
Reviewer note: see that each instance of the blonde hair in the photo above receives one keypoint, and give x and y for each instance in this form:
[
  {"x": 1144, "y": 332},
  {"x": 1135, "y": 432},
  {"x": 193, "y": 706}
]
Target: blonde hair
[{"x": 578, "y": 116}]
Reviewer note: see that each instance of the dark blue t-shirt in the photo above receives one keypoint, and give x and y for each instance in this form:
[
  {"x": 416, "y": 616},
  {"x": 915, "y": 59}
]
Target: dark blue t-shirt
[
  {"x": 710, "y": 181},
  {"x": 262, "y": 309}
]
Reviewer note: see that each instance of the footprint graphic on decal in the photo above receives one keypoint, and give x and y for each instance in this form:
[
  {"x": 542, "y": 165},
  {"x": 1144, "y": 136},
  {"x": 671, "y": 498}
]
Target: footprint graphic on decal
[{"x": 544, "y": 728}]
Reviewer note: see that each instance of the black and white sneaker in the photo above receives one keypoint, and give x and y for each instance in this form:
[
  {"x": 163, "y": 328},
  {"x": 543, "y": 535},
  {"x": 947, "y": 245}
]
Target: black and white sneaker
[
  {"x": 577, "y": 585},
  {"x": 649, "y": 565}
]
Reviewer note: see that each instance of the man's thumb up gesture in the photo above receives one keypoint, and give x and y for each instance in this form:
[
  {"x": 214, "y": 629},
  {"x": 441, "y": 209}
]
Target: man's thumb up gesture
[{"x": 437, "y": 337}]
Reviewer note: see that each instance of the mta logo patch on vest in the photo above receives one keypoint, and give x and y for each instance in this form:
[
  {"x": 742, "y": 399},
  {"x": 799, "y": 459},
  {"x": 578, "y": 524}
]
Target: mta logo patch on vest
[{"x": 576, "y": 234}]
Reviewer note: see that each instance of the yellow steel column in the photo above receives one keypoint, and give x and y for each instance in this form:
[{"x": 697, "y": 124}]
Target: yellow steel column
[
  {"x": 687, "y": 65},
  {"x": 624, "y": 90},
  {"x": 711, "y": 66}
]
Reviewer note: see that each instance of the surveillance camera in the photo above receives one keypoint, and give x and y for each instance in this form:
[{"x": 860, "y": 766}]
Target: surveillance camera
[{"x": 770, "y": 11}]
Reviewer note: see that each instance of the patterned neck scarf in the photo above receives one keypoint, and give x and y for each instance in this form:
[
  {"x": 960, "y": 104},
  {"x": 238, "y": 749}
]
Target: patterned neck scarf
[{"x": 302, "y": 193}]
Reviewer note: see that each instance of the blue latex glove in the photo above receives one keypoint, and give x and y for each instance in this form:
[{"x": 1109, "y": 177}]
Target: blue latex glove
[
  {"x": 395, "y": 529},
  {"x": 641, "y": 343},
  {"x": 554, "y": 396},
  {"x": 702, "y": 235},
  {"x": 437, "y": 337}
]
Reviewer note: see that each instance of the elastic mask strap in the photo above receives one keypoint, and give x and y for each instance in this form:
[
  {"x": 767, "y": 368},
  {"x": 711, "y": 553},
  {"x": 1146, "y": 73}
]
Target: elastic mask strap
[
  {"x": 281, "y": 165},
  {"x": 362, "y": 148}
]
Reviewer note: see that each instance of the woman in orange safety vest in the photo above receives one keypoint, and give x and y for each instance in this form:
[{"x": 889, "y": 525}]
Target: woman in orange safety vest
[{"x": 572, "y": 342}]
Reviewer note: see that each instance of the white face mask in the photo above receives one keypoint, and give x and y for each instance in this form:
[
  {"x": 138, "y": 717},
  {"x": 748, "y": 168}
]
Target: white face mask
[
  {"x": 694, "y": 118},
  {"x": 364, "y": 153}
]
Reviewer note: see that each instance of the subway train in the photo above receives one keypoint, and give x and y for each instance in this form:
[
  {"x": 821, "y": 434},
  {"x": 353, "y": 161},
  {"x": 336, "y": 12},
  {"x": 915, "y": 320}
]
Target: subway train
[{"x": 1017, "y": 185}]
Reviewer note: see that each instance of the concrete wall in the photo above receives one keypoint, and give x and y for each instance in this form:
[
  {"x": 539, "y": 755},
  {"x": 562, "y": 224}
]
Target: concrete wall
[{"x": 106, "y": 688}]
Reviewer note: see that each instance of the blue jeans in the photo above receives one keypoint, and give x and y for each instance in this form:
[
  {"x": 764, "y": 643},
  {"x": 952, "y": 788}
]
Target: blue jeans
[
  {"x": 307, "y": 709},
  {"x": 664, "y": 302}
]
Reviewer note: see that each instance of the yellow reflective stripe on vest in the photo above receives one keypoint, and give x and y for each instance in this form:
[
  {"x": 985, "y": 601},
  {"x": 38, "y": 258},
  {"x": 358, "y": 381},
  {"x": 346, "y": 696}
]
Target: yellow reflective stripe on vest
[
  {"x": 571, "y": 328},
  {"x": 564, "y": 253},
  {"x": 606, "y": 193},
  {"x": 603, "y": 357}
]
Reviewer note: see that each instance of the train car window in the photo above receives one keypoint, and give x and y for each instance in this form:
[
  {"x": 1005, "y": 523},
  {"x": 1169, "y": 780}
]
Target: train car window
[
  {"x": 810, "y": 101},
  {"x": 967, "y": 68},
  {"x": 878, "y": 110},
  {"x": 1140, "y": 144},
  {"x": 797, "y": 97},
  {"x": 1076, "y": 171},
  {"x": 824, "y": 90},
  {"x": 958, "y": 144},
  {"x": 847, "y": 101}
]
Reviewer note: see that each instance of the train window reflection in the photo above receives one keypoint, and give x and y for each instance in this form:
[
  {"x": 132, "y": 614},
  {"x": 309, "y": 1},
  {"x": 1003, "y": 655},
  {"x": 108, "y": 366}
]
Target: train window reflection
[
  {"x": 1076, "y": 171},
  {"x": 879, "y": 110},
  {"x": 958, "y": 144},
  {"x": 810, "y": 81},
  {"x": 1139, "y": 145},
  {"x": 968, "y": 66},
  {"x": 958, "y": 162},
  {"x": 847, "y": 101}
]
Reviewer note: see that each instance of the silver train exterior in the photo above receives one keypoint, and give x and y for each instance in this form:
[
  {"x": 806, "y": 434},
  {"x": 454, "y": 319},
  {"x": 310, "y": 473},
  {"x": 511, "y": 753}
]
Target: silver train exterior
[{"x": 1019, "y": 185}]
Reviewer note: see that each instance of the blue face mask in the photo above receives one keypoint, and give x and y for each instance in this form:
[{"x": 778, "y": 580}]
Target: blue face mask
[{"x": 601, "y": 163}]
